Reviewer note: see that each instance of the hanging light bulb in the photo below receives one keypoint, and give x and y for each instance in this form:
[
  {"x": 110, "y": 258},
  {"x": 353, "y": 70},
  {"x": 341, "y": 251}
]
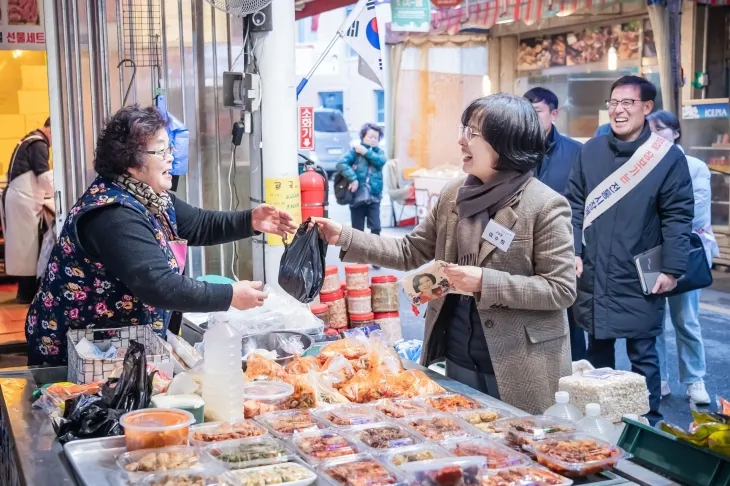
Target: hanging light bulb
[
  {"x": 612, "y": 59},
  {"x": 486, "y": 85},
  {"x": 17, "y": 53}
]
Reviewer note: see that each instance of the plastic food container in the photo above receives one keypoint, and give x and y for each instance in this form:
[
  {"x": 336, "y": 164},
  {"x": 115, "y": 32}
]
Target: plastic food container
[
  {"x": 439, "y": 426},
  {"x": 524, "y": 431},
  {"x": 205, "y": 477},
  {"x": 207, "y": 433},
  {"x": 361, "y": 320},
  {"x": 359, "y": 470},
  {"x": 385, "y": 294},
  {"x": 389, "y": 323},
  {"x": 321, "y": 311},
  {"x": 331, "y": 279},
  {"x": 497, "y": 456},
  {"x": 521, "y": 476},
  {"x": 337, "y": 309},
  {"x": 289, "y": 422},
  {"x": 449, "y": 471},
  {"x": 316, "y": 447},
  {"x": 398, "y": 408},
  {"x": 384, "y": 435},
  {"x": 452, "y": 402},
  {"x": 359, "y": 301},
  {"x": 344, "y": 416},
  {"x": 420, "y": 452},
  {"x": 577, "y": 455},
  {"x": 483, "y": 419},
  {"x": 285, "y": 474},
  {"x": 151, "y": 428},
  {"x": 261, "y": 397},
  {"x": 356, "y": 277},
  {"x": 141, "y": 463},
  {"x": 243, "y": 453}
]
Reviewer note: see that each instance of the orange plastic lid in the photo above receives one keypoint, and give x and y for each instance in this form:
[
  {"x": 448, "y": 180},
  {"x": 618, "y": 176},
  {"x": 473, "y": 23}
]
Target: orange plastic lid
[
  {"x": 381, "y": 279},
  {"x": 359, "y": 293},
  {"x": 318, "y": 308},
  {"x": 362, "y": 317},
  {"x": 332, "y": 296},
  {"x": 356, "y": 268},
  {"x": 331, "y": 270},
  {"x": 386, "y": 315}
]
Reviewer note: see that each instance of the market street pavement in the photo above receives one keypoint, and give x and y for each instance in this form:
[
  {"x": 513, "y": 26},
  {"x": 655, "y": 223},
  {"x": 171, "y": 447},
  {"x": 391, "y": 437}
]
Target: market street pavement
[{"x": 714, "y": 318}]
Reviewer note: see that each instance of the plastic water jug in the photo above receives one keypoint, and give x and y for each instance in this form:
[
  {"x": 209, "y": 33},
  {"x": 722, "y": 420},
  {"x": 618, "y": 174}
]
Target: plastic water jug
[
  {"x": 595, "y": 425},
  {"x": 563, "y": 409},
  {"x": 222, "y": 376}
]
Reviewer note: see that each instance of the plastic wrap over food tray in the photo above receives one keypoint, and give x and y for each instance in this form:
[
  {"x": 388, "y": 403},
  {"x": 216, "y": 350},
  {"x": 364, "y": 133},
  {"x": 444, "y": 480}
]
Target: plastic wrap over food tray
[{"x": 617, "y": 392}]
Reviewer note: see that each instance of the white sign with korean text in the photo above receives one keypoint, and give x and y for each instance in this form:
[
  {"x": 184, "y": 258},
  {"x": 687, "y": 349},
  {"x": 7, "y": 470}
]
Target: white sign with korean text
[
  {"x": 498, "y": 235},
  {"x": 21, "y": 26}
]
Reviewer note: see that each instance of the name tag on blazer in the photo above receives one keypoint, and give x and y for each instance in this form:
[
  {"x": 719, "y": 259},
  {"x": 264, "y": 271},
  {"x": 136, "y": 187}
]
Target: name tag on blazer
[{"x": 498, "y": 235}]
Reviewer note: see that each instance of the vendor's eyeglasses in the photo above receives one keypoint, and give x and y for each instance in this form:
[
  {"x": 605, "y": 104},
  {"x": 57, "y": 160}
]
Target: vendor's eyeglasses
[
  {"x": 467, "y": 133},
  {"x": 162, "y": 153}
]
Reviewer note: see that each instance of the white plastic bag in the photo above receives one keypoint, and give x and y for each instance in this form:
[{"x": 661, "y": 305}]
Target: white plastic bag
[{"x": 49, "y": 241}]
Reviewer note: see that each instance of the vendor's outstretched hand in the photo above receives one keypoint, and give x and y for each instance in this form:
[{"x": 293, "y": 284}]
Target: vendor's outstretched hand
[
  {"x": 247, "y": 295},
  {"x": 268, "y": 219},
  {"x": 330, "y": 230}
]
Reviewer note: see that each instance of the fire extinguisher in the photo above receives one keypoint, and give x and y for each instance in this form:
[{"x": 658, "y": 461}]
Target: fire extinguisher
[{"x": 314, "y": 191}]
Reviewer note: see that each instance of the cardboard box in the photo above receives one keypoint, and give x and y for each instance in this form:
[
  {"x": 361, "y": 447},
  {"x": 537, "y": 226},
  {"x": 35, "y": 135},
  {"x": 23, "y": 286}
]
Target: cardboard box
[
  {"x": 34, "y": 78},
  {"x": 13, "y": 127},
  {"x": 33, "y": 102}
]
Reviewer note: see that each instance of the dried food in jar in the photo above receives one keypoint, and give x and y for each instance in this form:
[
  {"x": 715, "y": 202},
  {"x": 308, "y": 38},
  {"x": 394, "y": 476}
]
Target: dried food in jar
[
  {"x": 241, "y": 429},
  {"x": 321, "y": 311},
  {"x": 399, "y": 409},
  {"x": 483, "y": 418},
  {"x": 525, "y": 431},
  {"x": 389, "y": 323},
  {"x": 331, "y": 279},
  {"x": 576, "y": 455},
  {"x": 522, "y": 476},
  {"x": 385, "y": 436},
  {"x": 248, "y": 450},
  {"x": 448, "y": 471},
  {"x": 145, "y": 461},
  {"x": 385, "y": 293},
  {"x": 361, "y": 320},
  {"x": 324, "y": 445},
  {"x": 359, "y": 302},
  {"x": 438, "y": 427},
  {"x": 361, "y": 472},
  {"x": 452, "y": 402},
  {"x": 291, "y": 422},
  {"x": 289, "y": 472},
  {"x": 497, "y": 456},
  {"x": 337, "y": 309},
  {"x": 356, "y": 277},
  {"x": 421, "y": 452}
]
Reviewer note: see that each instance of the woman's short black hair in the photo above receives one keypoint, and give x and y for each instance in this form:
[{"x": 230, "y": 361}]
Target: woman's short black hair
[
  {"x": 371, "y": 126},
  {"x": 123, "y": 141},
  {"x": 510, "y": 125},
  {"x": 417, "y": 280},
  {"x": 667, "y": 119}
]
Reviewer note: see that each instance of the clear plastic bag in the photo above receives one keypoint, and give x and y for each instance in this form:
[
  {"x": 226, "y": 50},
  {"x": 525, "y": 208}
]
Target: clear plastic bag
[{"x": 292, "y": 345}]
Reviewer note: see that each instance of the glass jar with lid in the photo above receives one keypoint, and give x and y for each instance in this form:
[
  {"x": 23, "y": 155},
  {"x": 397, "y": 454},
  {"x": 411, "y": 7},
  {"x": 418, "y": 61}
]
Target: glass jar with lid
[
  {"x": 321, "y": 311},
  {"x": 361, "y": 320},
  {"x": 337, "y": 309},
  {"x": 385, "y": 293},
  {"x": 331, "y": 279},
  {"x": 389, "y": 323},
  {"x": 356, "y": 277},
  {"x": 359, "y": 301}
]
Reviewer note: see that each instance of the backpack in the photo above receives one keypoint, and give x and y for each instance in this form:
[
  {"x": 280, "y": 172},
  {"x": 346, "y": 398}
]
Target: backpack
[{"x": 343, "y": 195}]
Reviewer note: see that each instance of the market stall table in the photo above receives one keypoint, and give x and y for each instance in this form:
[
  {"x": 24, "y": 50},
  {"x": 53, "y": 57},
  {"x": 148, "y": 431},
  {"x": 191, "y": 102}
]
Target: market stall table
[{"x": 32, "y": 456}]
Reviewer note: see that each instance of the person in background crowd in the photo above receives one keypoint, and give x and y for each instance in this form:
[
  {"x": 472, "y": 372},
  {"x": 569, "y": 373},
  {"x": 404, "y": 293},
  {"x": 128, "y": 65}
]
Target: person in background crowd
[
  {"x": 510, "y": 337},
  {"x": 120, "y": 257},
  {"x": 613, "y": 223},
  {"x": 684, "y": 308},
  {"x": 554, "y": 170},
  {"x": 362, "y": 166},
  {"x": 30, "y": 183},
  {"x": 604, "y": 129}
]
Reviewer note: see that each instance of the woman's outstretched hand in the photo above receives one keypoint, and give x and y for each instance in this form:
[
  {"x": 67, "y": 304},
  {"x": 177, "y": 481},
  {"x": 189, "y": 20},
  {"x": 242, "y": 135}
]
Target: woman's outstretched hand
[
  {"x": 330, "y": 230},
  {"x": 268, "y": 219}
]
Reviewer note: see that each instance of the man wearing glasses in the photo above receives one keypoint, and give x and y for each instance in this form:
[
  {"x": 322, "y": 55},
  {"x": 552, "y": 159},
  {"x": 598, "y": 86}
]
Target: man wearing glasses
[{"x": 628, "y": 194}]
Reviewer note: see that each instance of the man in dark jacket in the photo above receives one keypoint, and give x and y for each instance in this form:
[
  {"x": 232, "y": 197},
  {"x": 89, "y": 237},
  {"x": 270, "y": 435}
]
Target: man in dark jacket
[
  {"x": 615, "y": 223},
  {"x": 562, "y": 152}
]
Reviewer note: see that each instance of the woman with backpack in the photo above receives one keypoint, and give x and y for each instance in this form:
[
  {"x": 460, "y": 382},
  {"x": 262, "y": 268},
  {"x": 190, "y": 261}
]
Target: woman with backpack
[{"x": 359, "y": 180}]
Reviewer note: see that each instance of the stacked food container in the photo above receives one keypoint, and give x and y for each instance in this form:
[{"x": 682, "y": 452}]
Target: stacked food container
[{"x": 356, "y": 303}]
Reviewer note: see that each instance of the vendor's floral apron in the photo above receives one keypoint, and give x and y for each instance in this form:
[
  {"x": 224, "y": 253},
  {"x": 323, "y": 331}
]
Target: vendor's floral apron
[{"x": 77, "y": 292}]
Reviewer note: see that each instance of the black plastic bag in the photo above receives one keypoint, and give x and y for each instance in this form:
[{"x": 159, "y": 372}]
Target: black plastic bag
[
  {"x": 301, "y": 271},
  {"x": 88, "y": 417},
  {"x": 133, "y": 389}
]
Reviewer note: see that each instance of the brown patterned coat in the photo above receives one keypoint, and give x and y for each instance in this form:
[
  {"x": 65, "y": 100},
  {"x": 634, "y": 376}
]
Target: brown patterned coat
[{"x": 525, "y": 290}]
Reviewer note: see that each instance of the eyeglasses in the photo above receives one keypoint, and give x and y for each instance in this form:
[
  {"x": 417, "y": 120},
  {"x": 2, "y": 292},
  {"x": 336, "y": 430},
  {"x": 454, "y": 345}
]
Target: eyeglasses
[
  {"x": 627, "y": 103},
  {"x": 467, "y": 133},
  {"x": 162, "y": 153}
]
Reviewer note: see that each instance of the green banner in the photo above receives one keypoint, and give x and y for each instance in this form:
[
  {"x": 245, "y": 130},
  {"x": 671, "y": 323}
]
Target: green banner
[{"x": 410, "y": 15}]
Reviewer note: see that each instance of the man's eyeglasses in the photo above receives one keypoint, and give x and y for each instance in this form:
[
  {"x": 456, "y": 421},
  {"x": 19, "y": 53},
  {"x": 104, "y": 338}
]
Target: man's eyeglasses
[
  {"x": 627, "y": 103},
  {"x": 468, "y": 133},
  {"x": 162, "y": 153}
]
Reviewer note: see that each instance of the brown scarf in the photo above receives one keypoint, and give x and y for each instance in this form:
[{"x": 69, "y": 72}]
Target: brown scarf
[
  {"x": 156, "y": 203},
  {"x": 477, "y": 203}
]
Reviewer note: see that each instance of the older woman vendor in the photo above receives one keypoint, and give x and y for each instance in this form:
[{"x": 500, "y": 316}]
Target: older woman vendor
[{"x": 120, "y": 256}]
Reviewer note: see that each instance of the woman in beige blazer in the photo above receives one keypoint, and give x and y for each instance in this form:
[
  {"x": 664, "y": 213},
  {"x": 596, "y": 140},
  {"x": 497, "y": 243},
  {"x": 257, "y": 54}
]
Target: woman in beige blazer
[{"x": 511, "y": 338}]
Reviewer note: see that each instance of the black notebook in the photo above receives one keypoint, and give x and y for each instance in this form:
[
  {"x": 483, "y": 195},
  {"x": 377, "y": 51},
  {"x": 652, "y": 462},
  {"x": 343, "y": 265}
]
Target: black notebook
[{"x": 649, "y": 266}]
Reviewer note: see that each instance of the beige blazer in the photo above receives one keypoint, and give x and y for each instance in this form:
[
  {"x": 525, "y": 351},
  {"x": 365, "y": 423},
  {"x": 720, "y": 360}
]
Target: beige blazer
[{"x": 525, "y": 290}]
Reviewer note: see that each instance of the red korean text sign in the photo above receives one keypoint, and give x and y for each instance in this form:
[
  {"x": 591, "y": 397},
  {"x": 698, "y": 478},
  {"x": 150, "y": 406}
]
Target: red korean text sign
[
  {"x": 306, "y": 128},
  {"x": 445, "y": 3}
]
